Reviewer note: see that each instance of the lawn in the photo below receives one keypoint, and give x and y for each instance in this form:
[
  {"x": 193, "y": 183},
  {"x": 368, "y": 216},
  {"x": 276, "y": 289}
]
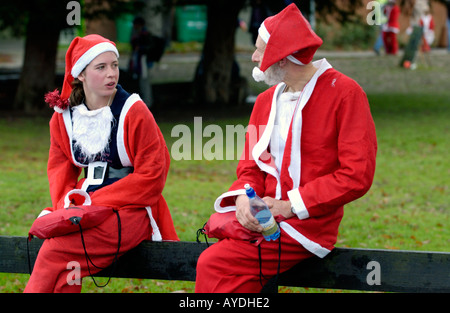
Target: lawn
[{"x": 406, "y": 208}]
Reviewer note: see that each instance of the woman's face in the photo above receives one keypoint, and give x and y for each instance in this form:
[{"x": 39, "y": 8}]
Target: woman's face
[{"x": 101, "y": 76}]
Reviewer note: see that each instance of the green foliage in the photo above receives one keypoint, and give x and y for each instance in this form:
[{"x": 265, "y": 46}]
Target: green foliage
[
  {"x": 184, "y": 47},
  {"x": 347, "y": 36}
]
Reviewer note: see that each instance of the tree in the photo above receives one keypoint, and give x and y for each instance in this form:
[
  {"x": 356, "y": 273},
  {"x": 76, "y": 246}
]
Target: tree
[
  {"x": 45, "y": 20},
  {"x": 213, "y": 87}
]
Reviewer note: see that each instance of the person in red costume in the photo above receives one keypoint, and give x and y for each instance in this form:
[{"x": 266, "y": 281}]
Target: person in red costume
[
  {"x": 98, "y": 123},
  {"x": 310, "y": 149},
  {"x": 391, "y": 27}
]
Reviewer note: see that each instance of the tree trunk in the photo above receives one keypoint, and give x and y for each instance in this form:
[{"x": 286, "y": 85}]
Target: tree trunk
[
  {"x": 38, "y": 71},
  {"x": 213, "y": 85}
]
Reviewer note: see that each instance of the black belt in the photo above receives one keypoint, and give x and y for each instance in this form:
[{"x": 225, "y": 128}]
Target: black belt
[
  {"x": 104, "y": 171},
  {"x": 118, "y": 172}
]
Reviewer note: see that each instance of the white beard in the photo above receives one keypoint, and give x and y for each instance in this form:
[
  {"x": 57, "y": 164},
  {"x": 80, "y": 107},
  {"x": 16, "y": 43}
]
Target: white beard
[
  {"x": 272, "y": 76},
  {"x": 91, "y": 130}
]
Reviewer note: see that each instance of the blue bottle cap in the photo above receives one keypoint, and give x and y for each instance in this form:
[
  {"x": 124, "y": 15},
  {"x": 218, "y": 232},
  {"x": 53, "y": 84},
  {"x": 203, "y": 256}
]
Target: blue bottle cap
[{"x": 249, "y": 191}]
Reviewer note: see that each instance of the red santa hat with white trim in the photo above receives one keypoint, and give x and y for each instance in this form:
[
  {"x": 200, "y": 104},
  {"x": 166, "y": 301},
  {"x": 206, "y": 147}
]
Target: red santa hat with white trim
[
  {"x": 81, "y": 52},
  {"x": 288, "y": 35}
]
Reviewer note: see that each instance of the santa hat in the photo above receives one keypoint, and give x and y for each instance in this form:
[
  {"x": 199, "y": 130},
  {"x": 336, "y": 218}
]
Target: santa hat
[
  {"x": 81, "y": 52},
  {"x": 288, "y": 34}
]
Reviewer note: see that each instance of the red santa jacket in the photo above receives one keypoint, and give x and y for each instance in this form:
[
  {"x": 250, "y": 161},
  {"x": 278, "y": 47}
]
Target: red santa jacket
[
  {"x": 329, "y": 158},
  {"x": 140, "y": 144},
  {"x": 392, "y": 13}
]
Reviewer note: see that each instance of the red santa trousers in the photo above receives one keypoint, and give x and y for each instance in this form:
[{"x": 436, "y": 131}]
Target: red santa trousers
[
  {"x": 234, "y": 266},
  {"x": 390, "y": 42},
  {"x": 53, "y": 271}
]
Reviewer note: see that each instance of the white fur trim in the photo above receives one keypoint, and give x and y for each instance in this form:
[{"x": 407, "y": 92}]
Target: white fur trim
[
  {"x": 44, "y": 212},
  {"x": 123, "y": 155},
  {"x": 263, "y": 33},
  {"x": 294, "y": 60},
  {"x": 227, "y": 194},
  {"x": 156, "y": 234},
  {"x": 90, "y": 55},
  {"x": 298, "y": 204},
  {"x": 87, "y": 198},
  {"x": 68, "y": 123},
  {"x": 264, "y": 141},
  {"x": 58, "y": 109},
  {"x": 309, "y": 245}
]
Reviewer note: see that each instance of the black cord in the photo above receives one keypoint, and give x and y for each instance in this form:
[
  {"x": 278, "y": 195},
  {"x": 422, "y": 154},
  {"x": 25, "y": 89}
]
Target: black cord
[
  {"x": 272, "y": 284},
  {"x": 116, "y": 257},
  {"x": 201, "y": 231}
]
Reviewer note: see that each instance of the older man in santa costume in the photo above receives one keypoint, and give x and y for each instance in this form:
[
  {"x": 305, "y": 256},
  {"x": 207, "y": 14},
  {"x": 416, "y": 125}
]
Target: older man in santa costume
[{"x": 310, "y": 149}]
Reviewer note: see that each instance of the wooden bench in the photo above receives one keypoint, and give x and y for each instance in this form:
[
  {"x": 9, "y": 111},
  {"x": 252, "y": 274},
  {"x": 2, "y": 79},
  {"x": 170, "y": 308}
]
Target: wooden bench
[{"x": 343, "y": 268}]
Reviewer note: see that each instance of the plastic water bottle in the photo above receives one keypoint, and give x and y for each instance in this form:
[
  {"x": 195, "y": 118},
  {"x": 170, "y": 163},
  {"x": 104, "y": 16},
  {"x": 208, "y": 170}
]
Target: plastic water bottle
[{"x": 261, "y": 212}]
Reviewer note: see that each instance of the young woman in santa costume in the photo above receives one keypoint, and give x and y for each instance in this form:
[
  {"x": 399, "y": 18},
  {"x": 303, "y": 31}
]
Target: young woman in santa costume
[
  {"x": 98, "y": 123},
  {"x": 310, "y": 149}
]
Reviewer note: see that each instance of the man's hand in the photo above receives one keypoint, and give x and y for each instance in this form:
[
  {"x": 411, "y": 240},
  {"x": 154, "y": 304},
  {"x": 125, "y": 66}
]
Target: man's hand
[
  {"x": 279, "y": 207},
  {"x": 244, "y": 216}
]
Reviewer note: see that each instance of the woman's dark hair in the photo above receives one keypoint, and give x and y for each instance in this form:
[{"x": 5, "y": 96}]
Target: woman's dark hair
[{"x": 77, "y": 95}]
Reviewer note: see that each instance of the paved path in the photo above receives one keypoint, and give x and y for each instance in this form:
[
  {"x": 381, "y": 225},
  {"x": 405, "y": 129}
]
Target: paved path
[{"x": 375, "y": 74}]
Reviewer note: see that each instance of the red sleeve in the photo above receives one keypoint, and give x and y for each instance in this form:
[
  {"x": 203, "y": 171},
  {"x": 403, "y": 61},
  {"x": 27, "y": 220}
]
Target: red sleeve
[
  {"x": 395, "y": 14},
  {"x": 356, "y": 157}
]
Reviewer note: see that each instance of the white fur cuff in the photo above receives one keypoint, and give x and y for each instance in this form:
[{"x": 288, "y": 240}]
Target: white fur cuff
[{"x": 77, "y": 194}]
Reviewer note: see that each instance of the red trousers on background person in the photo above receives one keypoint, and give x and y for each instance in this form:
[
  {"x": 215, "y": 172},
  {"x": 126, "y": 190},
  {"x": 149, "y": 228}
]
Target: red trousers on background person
[
  {"x": 51, "y": 272},
  {"x": 390, "y": 42},
  {"x": 233, "y": 265}
]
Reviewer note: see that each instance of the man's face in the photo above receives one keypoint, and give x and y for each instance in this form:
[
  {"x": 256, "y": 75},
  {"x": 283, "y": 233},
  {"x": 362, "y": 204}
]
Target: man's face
[
  {"x": 259, "y": 52},
  {"x": 274, "y": 74}
]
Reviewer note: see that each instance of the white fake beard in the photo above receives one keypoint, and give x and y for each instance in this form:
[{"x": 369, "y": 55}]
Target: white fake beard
[
  {"x": 91, "y": 130},
  {"x": 272, "y": 76}
]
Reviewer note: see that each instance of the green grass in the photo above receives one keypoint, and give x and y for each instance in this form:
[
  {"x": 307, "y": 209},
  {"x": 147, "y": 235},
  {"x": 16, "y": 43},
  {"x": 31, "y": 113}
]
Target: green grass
[{"x": 406, "y": 208}]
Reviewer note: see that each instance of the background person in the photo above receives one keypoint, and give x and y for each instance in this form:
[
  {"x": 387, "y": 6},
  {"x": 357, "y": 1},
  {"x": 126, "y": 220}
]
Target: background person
[
  {"x": 139, "y": 66},
  {"x": 391, "y": 27}
]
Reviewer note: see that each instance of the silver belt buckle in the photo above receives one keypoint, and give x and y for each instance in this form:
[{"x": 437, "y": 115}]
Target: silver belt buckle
[{"x": 96, "y": 172}]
